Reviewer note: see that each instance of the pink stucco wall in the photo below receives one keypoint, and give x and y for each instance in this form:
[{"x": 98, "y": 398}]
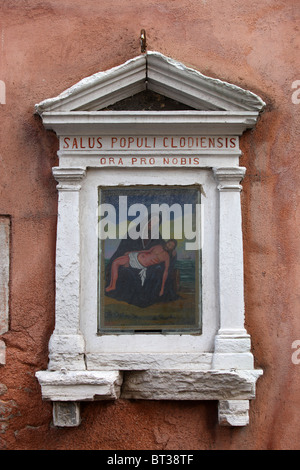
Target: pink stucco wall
[{"x": 47, "y": 46}]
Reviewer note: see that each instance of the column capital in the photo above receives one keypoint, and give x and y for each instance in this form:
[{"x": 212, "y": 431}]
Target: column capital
[
  {"x": 69, "y": 179},
  {"x": 229, "y": 178}
]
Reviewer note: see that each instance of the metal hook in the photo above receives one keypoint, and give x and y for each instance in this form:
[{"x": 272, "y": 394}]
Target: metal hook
[{"x": 143, "y": 41}]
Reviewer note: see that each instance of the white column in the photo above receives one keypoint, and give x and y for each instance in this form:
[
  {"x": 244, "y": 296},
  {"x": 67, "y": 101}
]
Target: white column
[
  {"x": 232, "y": 343},
  {"x": 66, "y": 347}
]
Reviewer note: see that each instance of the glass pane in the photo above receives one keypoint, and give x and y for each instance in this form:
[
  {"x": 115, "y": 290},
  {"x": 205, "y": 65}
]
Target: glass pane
[{"x": 149, "y": 259}]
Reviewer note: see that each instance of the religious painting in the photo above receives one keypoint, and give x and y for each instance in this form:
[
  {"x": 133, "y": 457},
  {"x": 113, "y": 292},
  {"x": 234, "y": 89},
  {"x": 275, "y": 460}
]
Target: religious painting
[{"x": 149, "y": 258}]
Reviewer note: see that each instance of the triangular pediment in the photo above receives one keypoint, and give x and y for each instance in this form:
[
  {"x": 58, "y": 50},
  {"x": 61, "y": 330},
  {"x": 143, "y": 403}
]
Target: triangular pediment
[
  {"x": 148, "y": 100},
  {"x": 156, "y": 73}
]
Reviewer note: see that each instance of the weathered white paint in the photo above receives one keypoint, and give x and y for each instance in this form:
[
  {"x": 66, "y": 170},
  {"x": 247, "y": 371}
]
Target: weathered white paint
[
  {"x": 216, "y": 365},
  {"x": 232, "y": 343},
  {"x": 67, "y": 340},
  {"x": 4, "y": 281}
]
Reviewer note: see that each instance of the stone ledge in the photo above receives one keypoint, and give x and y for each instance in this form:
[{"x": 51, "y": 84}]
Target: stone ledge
[
  {"x": 80, "y": 385},
  {"x": 190, "y": 384}
]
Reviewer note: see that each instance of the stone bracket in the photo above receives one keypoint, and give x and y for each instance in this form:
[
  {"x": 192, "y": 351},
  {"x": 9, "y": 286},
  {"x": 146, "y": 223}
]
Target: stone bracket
[
  {"x": 68, "y": 388},
  {"x": 66, "y": 413},
  {"x": 233, "y": 412}
]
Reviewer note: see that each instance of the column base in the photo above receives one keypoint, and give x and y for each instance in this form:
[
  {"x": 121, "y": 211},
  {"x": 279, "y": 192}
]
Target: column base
[
  {"x": 232, "y": 350},
  {"x": 66, "y": 352}
]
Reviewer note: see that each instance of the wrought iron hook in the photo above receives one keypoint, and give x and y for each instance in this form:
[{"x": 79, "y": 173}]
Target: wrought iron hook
[{"x": 143, "y": 41}]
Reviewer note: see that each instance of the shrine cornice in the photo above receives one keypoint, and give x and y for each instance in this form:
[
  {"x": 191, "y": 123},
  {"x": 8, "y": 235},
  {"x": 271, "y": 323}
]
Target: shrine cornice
[{"x": 156, "y": 122}]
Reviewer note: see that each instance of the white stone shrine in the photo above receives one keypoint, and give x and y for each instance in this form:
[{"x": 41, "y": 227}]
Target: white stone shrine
[{"x": 117, "y": 148}]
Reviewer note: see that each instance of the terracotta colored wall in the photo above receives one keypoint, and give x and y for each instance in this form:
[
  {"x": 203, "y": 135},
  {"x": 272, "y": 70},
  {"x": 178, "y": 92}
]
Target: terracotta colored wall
[{"x": 47, "y": 46}]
